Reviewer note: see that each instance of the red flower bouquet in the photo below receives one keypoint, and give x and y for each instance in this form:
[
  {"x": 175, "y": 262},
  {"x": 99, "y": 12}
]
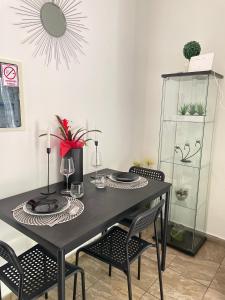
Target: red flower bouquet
[{"x": 70, "y": 140}]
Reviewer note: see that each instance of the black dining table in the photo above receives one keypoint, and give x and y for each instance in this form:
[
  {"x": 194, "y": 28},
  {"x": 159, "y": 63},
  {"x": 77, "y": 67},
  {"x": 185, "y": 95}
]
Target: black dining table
[{"x": 102, "y": 209}]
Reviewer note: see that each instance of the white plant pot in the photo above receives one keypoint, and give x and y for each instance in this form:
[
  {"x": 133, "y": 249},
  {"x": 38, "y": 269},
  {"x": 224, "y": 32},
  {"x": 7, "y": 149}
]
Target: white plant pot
[{"x": 186, "y": 118}]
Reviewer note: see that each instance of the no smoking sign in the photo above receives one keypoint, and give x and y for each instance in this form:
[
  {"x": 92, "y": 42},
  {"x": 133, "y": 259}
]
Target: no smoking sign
[{"x": 9, "y": 75}]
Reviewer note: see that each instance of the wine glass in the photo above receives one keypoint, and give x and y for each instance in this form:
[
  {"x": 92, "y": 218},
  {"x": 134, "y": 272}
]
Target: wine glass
[
  {"x": 96, "y": 159},
  {"x": 67, "y": 169}
]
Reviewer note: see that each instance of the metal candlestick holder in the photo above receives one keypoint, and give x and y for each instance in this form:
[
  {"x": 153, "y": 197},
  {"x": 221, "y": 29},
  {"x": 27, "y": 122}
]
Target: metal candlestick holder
[
  {"x": 48, "y": 187},
  {"x": 96, "y": 158},
  {"x": 96, "y": 161}
]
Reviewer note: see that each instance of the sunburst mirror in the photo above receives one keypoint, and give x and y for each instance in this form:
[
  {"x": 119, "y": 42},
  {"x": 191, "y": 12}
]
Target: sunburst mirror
[{"x": 54, "y": 28}]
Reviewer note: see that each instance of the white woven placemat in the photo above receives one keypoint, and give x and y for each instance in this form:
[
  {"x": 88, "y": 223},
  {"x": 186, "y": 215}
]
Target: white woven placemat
[
  {"x": 127, "y": 186},
  {"x": 75, "y": 206}
]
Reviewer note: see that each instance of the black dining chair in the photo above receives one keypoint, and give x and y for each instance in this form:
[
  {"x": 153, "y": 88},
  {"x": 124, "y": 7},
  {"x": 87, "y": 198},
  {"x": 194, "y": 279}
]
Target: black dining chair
[
  {"x": 119, "y": 248},
  {"x": 147, "y": 173},
  {"x": 32, "y": 273}
]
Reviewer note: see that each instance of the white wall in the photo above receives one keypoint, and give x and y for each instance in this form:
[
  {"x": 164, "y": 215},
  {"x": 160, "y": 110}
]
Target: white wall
[
  {"x": 96, "y": 92},
  {"x": 167, "y": 26}
]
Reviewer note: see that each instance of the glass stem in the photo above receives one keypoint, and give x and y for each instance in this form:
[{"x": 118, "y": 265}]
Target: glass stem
[{"x": 67, "y": 182}]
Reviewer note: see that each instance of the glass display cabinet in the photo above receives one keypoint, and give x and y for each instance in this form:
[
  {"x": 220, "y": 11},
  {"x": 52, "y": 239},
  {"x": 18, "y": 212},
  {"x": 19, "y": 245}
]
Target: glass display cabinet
[{"x": 187, "y": 125}]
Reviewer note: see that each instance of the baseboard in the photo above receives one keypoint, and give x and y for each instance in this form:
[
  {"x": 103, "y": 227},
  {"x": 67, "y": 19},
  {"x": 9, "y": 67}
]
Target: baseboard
[{"x": 215, "y": 239}]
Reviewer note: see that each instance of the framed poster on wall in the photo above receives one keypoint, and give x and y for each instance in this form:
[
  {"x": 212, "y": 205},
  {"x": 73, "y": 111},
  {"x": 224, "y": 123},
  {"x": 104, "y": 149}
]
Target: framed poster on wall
[{"x": 11, "y": 96}]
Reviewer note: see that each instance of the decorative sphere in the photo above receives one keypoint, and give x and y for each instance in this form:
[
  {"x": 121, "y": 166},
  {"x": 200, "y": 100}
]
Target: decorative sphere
[{"x": 192, "y": 48}]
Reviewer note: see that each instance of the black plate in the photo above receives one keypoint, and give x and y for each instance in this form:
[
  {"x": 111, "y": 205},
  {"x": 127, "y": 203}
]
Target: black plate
[
  {"x": 46, "y": 205},
  {"x": 125, "y": 176}
]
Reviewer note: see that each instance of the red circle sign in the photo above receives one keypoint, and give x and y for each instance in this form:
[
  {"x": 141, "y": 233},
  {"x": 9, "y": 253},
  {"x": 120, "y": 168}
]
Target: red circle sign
[{"x": 10, "y": 73}]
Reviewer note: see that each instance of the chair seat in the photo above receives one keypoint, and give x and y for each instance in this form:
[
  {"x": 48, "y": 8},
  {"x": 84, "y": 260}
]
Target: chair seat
[
  {"x": 40, "y": 272},
  {"x": 111, "y": 248}
]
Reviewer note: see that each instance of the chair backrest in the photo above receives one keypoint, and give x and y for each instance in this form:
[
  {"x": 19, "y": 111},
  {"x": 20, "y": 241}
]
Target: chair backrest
[
  {"x": 9, "y": 255},
  {"x": 143, "y": 220},
  {"x": 149, "y": 173}
]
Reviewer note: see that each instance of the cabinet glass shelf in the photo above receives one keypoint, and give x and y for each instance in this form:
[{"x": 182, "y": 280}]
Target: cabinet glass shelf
[
  {"x": 183, "y": 120},
  {"x": 184, "y": 165},
  {"x": 187, "y": 125}
]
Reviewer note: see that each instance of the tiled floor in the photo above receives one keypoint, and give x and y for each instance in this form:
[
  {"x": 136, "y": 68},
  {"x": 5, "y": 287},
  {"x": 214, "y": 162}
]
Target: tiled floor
[{"x": 186, "y": 278}]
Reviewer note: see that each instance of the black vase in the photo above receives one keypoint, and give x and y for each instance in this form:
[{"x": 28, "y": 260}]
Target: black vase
[{"x": 77, "y": 156}]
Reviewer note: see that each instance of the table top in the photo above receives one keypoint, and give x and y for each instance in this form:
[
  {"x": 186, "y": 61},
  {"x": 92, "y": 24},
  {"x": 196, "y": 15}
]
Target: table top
[{"x": 102, "y": 208}]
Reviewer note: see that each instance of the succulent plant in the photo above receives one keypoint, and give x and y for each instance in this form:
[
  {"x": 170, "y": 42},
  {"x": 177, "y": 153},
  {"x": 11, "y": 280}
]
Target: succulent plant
[
  {"x": 191, "y": 49},
  {"x": 192, "y": 109},
  {"x": 201, "y": 109},
  {"x": 137, "y": 163},
  {"x": 148, "y": 162},
  {"x": 183, "y": 109}
]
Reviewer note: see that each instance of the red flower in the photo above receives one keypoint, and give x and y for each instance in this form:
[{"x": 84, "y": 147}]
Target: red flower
[
  {"x": 70, "y": 140},
  {"x": 65, "y": 124}
]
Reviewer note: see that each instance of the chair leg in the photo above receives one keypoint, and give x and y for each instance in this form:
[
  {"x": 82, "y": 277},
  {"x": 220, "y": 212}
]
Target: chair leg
[
  {"x": 129, "y": 284},
  {"x": 158, "y": 262},
  {"x": 20, "y": 291},
  {"x": 139, "y": 260},
  {"x": 75, "y": 277},
  {"x": 110, "y": 270},
  {"x": 110, "y": 266},
  {"x": 46, "y": 295},
  {"x": 83, "y": 284}
]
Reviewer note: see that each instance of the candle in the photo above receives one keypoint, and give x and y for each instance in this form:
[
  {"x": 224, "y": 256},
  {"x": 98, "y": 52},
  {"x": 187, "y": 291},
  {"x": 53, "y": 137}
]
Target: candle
[
  {"x": 49, "y": 139},
  {"x": 96, "y": 137}
]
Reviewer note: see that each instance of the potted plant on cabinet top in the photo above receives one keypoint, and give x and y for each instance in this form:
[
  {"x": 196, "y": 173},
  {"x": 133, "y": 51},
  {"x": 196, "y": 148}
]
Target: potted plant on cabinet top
[{"x": 191, "y": 49}]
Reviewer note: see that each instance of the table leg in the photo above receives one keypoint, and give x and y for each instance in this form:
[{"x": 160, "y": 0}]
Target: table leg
[
  {"x": 164, "y": 242},
  {"x": 61, "y": 274}
]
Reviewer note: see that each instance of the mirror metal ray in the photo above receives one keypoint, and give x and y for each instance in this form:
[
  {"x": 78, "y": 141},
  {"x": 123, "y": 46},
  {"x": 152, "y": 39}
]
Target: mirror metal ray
[{"x": 54, "y": 27}]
